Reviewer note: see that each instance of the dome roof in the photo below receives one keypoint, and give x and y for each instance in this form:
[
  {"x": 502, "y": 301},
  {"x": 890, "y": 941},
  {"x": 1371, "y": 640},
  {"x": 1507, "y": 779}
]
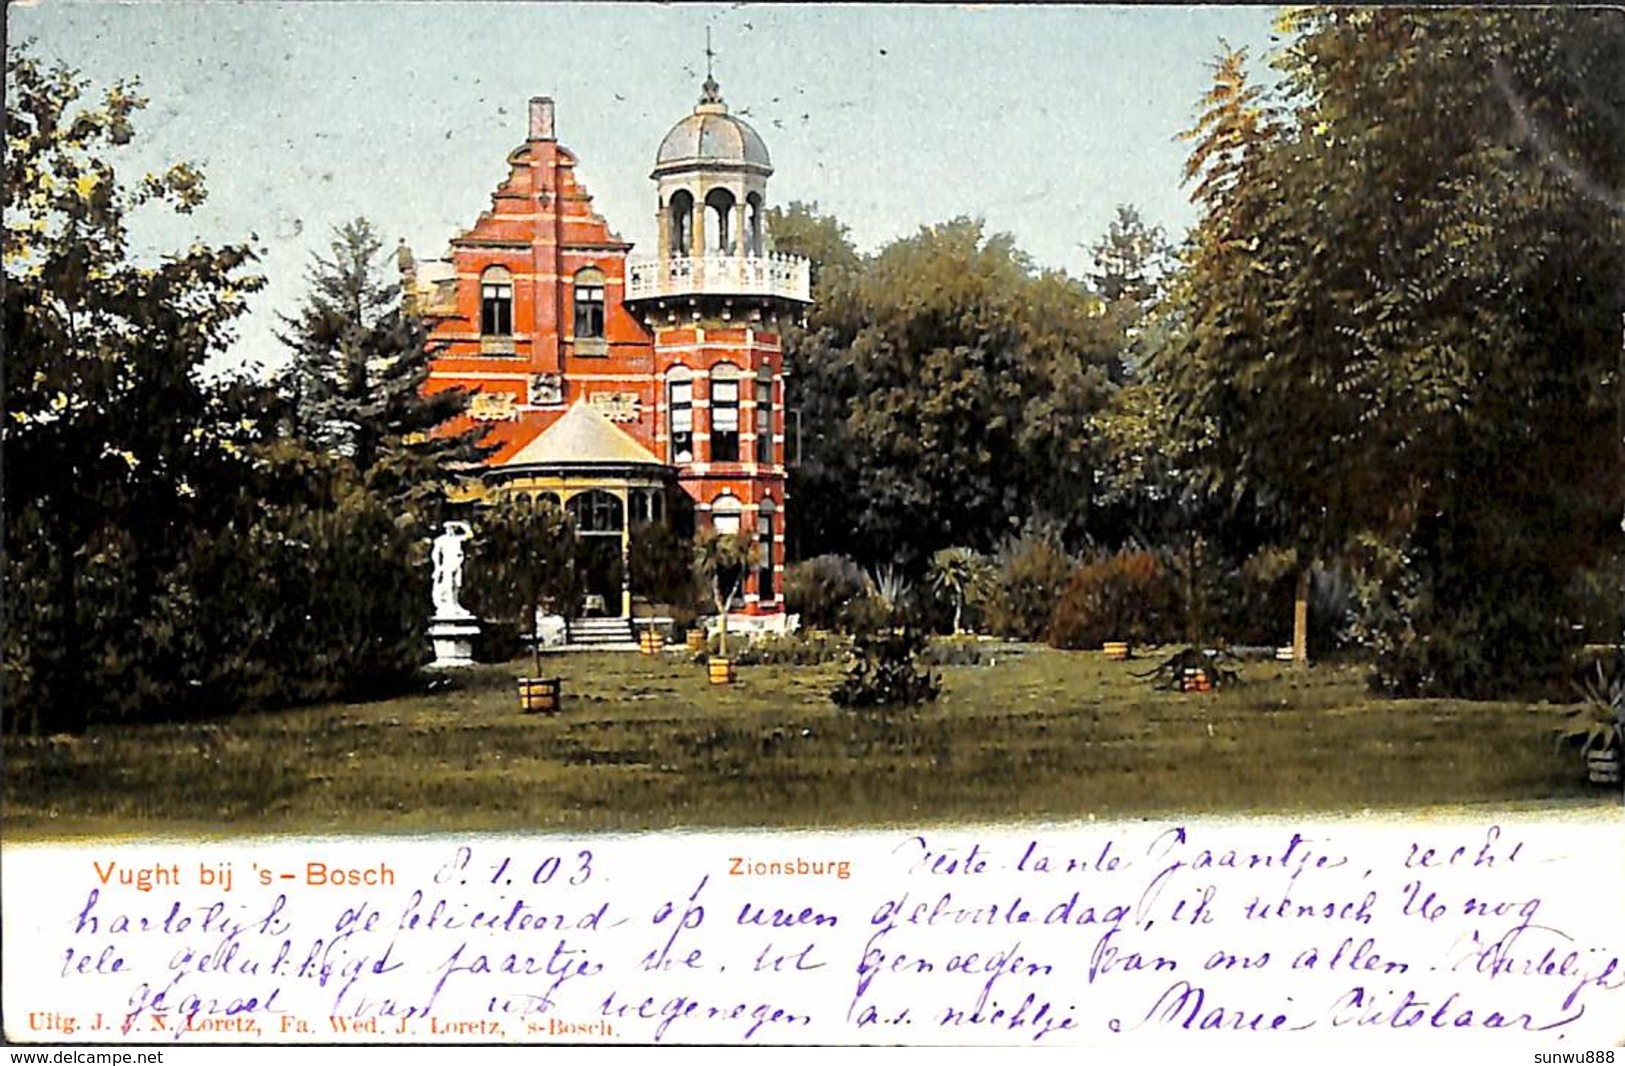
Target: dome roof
[{"x": 712, "y": 137}]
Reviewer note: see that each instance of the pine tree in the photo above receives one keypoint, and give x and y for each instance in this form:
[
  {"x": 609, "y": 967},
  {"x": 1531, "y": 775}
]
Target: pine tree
[{"x": 360, "y": 364}]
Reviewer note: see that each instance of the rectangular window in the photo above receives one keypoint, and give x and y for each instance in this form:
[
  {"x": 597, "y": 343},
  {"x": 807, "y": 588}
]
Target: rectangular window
[
  {"x": 680, "y": 403},
  {"x": 764, "y": 421},
  {"x": 496, "y": 310},
  {"x": 764, "y": 574},
  {"x": 589, "y": 312},
  {"x": 725, "y": 421}
]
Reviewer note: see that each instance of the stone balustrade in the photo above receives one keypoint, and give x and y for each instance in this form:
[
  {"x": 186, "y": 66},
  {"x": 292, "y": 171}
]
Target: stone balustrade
[{"x": 784, "y": 276}]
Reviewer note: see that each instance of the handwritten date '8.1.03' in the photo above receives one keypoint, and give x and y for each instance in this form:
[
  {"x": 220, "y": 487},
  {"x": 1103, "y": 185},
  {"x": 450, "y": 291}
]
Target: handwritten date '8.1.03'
[{"x": 1185, "y": 933}]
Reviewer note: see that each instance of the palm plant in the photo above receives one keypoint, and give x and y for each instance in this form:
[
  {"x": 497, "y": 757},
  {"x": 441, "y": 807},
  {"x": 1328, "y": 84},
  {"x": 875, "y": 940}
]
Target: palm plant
[
  {"x": 1598, "y": 724},
  {"x": 953, "y": 572},
  {"x": 723, "y": 559}
]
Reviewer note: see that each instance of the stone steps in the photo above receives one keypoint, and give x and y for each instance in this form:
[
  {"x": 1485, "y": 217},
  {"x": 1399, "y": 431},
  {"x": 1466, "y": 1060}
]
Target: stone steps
[{"x": 596, "y": 631}]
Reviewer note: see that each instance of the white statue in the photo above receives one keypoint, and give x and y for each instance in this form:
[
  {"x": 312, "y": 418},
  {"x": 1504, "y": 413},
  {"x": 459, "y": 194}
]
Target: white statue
[{"x": 448, "y": 570}]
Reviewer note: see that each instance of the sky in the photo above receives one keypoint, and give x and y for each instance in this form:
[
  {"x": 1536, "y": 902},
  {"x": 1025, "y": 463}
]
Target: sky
[{"x": 1039, "y": 120}]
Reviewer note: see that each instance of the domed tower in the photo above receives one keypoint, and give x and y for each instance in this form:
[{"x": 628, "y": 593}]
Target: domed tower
[{"x": 715, "y": 299}]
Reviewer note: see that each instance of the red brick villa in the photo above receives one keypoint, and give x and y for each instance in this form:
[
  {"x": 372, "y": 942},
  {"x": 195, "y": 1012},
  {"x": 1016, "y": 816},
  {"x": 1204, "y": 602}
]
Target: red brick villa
[{"x": 629, "y": 390}]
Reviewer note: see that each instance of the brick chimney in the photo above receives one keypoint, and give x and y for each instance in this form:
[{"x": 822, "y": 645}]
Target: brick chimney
[{"x": 541, "y": 118}]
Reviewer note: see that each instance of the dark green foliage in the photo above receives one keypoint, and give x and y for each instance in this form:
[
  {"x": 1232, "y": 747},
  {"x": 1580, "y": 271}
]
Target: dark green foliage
[
  {"x": 115, "y": 448},
  {"x": 1399, "y": 320},
  {"x": 663, "y": 566},
  {"x": 304, "y": 603},
  {"x": 358, "y": 373},
  {"x": 1020, "y": 593},
  {"x": 1131, "y": 596},
  {"x": 819, "y": 589},
  {"x": 499, "y": 641},
  {"x": 1254, "y": 601},
  {"x": 522, "y": 561},
  {"x": 325, "y": 598},
  {"x": 945, "y": 387},
  {"x": 889, "y": 600},
  {"x": 1443, "y": 620},
  {"x": 167, "y": 555},
  {"x": 885, "y": 671},
  {"x": 1598, "y": 595}
]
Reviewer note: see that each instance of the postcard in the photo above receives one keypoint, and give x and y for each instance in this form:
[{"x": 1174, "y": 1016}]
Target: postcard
[{"x": 794, "y": 525}]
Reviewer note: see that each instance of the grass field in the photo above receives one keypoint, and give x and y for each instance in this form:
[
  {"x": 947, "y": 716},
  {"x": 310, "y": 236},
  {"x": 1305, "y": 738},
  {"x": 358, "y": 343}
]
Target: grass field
[{"x": 647, "y": 743}]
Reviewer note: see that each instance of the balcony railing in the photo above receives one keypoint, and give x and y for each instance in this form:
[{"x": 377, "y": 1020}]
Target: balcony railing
[{"x": 785, "y": 276}]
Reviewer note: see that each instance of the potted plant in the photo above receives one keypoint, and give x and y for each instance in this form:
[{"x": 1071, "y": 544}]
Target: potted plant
[
  {"x": 651, "y": 641},
  {"x": 1597, "y": 726},
  {"x": 722, "y": 560},
  {"x": 524, "y": 557}
]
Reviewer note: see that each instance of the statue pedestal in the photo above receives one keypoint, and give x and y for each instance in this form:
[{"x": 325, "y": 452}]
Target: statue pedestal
[{"x": 453, "y": 640}]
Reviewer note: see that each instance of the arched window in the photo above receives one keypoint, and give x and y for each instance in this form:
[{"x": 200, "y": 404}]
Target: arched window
[
  {"x": 764, "y": 538},
  {"x": 645, "y": 506},
  {"x": 680, "y": 414},
  {"x": 764, "y": 416},
  {"x": 680, "y": 216},
  {"x": 589, "y": 300},
  {"x": 596, "y": 512},
  {"x": 725, "y": 520},
  {"x": 753, "y": 224},
  {"x": 719, "y": 209},
  {"x": 725, "y": 514},
  {"x": 725, "y": 413},
  {"x": 496, "y": 302}
]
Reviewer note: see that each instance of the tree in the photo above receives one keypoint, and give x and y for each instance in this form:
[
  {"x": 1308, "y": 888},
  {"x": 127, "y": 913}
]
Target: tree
[
  {"x": 945, "y": 391},
  {"x": 800, "y": 229},
  {"x": 721, "y": 560},
  {"x": 522, "y": 557},
  {"x": 115, "y": 446},
  {"x": 360, "y": 365},
  {"x": 812, "y": 364},
  {"x": 1131, "y": 263},
  {"x": 1401, "y": 311},
  {"x": 954, "y": 572}
]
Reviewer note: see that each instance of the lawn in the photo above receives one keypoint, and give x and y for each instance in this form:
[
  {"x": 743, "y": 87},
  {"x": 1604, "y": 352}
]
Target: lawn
[{"x": 646, "y": 743}]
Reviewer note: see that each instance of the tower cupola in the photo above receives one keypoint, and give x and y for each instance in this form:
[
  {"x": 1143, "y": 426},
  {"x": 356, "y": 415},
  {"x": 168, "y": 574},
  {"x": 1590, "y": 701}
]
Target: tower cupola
[
  {"x": 713, "y": 140},
  {"x": 710, "y": 176}
]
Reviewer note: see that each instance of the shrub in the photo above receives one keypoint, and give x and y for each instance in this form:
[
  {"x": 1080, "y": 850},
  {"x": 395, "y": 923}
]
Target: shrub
[
  {"x": 302, "y": 586},
  {"x": 888, "y": 602},
  {"x": 1598, "y": 606},
  {"x": 1130, "y": 596},
  {"x": 955, "y": 651},
  {"x": 1021, "y": 590},
  {"x": 663, "y": 566},
  {"x": 885, "y": 671},
  {"x": 302, "y": 604},
  {"x": 1437, "y": 628},
  {"x": 819, "y": 588},
  {"x": 1264, "y": 594},
  {"x": 793, "y": 649}
]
